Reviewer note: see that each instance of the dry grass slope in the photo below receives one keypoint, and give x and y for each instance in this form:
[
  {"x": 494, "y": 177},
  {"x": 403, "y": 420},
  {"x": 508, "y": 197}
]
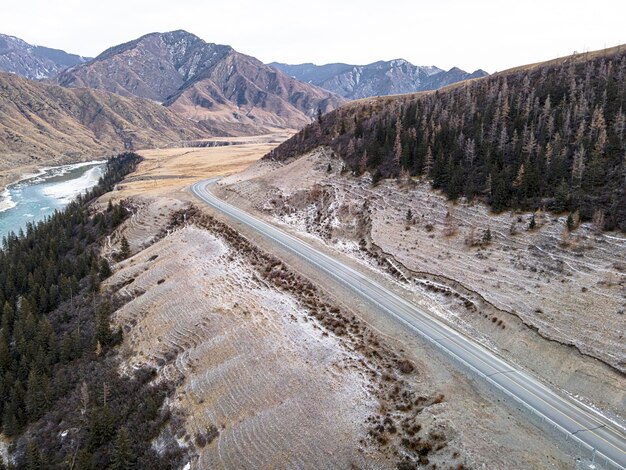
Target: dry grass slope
[{"x": 44, "y": 124}]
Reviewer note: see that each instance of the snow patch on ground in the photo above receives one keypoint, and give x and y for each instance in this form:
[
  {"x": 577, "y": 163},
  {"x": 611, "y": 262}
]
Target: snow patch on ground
[
  {"x": 6, "y": 201},
  {"x": 66, "y": 191},
  {"x": 570, "y": 286},
  {"x": 249, "y": 358}
]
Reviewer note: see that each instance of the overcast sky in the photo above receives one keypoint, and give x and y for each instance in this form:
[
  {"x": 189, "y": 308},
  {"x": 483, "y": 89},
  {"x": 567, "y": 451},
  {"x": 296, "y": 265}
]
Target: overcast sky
[{"x": 471, "y": 34}]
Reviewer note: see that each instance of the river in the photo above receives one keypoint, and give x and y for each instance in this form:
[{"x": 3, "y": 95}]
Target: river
[{"x": 38, "y": 196}]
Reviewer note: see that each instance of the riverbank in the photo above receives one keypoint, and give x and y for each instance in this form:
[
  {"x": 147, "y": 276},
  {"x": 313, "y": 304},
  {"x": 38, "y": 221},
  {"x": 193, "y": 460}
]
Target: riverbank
[
  {"x": 36, "y": 195},
  {"x": 12, "y": 176},
  {"x": 14, "y": 170}
]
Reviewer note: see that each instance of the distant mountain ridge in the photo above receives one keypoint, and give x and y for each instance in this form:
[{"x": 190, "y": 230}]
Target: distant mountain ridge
[
  {"x": 229, "y": 92},
  {"x": 34, "y": 62},
  {"x": 376, "y": 79},
  {"x": 153, "y": 66},
  {"x": 42, "y": 123}
]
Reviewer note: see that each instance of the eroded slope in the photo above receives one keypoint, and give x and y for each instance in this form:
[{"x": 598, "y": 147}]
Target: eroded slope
[
  {"x": 268, "y": 373},
  {"x": 568, "y": 287}
]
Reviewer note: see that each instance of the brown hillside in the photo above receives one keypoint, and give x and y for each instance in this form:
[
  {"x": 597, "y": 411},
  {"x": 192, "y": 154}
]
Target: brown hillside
[
  {"x": 42, "y": 120},
  {"x": 231, "y": 93},
  {"x": 44, "y": 124}
]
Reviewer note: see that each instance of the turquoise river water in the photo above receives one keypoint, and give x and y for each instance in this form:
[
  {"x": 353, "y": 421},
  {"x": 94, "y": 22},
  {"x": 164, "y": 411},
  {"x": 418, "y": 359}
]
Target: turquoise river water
[{"x": 38, "y": 196}]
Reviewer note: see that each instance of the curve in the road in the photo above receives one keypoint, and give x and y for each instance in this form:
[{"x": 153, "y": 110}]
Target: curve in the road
[{"x": 605, "y": 440}]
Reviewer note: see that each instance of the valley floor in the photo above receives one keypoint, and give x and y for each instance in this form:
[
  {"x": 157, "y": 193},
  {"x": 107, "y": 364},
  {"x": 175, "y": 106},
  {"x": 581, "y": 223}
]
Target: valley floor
[{"x": 274, "y": 372}]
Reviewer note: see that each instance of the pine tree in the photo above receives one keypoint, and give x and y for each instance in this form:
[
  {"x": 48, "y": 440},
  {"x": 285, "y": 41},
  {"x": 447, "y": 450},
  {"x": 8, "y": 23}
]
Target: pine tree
[
  {"x": 124, "y": 248},
  {"x": 519, "y": 179},
  {"x": 578, "y": 166},
  {"x": 32, "y": 458},
  {"x": 66, "y": 352},
  {"x": 32, "y": 400},
  {"x": 7, "y": 320},
  {"x": 5, "y": 354},
  {"x": 123, "y": 456},
  {"x": 428, "y": 162},
  {"x": 363, "y": 162},
  {"x": 105, "y": 269},
  {"x": 487, "y": 236},
  {"x": 94, "y": 281},
  {"x": 599, "y": 219},
  {"x": 84, "y": 460},
  {"x": 397, "y": 145},
  {"x": 102, "y": 334},
  {"x": 10, "y": 426}
]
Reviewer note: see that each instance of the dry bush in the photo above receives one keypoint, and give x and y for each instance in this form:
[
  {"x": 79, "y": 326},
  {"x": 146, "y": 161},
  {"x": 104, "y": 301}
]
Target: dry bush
[
  {"x": 450, "y": 223},
  {"x": 405, "y": 366},
  {"x": 598, "y": 220},
  {"x": 471, "y": 239}
]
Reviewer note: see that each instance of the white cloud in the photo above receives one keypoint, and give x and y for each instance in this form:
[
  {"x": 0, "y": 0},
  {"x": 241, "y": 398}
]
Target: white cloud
[{"x": 488, "y": 34}]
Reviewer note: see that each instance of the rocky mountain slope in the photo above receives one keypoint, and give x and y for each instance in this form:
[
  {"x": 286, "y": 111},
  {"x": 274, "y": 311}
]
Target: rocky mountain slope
[
  {"x": 35, "y": 62},
  {"x": 232, "y": 92},
  {"x": 549, "y": 135},
  {"x": 42, "y": 123},
  {"x": 376, "y": 79}
]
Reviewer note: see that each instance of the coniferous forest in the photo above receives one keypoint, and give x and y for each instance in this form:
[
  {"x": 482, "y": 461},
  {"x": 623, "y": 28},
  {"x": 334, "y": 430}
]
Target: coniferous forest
[
  {"x": 547, "y": 136},
  {"x": 58, "y": 369}
]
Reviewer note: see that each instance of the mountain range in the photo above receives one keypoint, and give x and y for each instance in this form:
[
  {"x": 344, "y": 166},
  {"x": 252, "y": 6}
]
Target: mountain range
[
  {"x": 377, "y": 79},
  {"x": 34, "y": 62},
  {"x": 233, "y": 92},
  {"x": 177, "y": 80}
]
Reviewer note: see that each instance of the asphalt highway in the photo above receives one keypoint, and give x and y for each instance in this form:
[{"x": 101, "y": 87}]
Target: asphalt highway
[{"x": 604, "y": 440}]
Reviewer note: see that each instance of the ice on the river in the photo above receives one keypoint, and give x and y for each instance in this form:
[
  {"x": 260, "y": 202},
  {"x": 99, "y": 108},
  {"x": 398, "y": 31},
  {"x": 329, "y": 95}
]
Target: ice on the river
[
  {"x": 48, "y": 172},
  {"x": 6, "y": 201},
  {"x": 66, "y": 191}
]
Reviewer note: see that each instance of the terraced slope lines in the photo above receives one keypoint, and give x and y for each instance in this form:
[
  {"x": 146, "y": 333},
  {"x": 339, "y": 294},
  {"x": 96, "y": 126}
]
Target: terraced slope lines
[
  {"x": 591, "y": 429},
  {"x": 269, "y": 374}
]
